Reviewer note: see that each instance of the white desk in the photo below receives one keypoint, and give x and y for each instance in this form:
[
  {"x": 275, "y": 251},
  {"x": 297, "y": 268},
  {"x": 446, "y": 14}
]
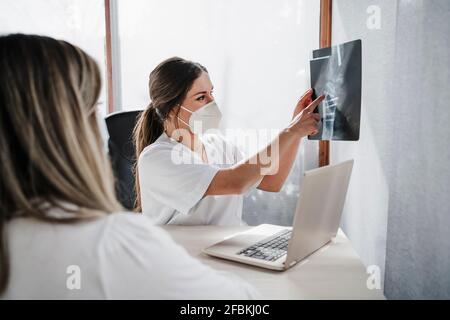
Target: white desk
[{"x": 334, "y": 272}]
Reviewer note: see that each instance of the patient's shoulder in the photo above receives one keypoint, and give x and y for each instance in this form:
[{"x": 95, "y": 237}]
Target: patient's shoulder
[{"x": 131, "y": 228}]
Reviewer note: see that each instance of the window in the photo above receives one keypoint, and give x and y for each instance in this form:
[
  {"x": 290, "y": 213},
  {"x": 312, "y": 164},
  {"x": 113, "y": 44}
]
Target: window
[{"x": 81, "y": 22}]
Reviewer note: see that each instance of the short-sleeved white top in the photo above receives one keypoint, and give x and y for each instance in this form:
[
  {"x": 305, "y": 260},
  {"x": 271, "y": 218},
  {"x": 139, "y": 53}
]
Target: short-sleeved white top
[
  {"x": 173, "y": 181},
  {"x": 119, "y": 256}
]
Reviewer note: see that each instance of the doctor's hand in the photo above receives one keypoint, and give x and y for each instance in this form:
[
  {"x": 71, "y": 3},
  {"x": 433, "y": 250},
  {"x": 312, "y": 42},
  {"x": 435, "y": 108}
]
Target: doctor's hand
[
  {"x": 305, "y": 121},
  {"x": 304, "y": 101}
]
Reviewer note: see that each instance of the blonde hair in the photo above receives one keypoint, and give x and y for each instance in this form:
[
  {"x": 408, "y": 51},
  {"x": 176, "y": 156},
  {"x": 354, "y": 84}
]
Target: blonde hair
[{"x": 50, "y": 144}]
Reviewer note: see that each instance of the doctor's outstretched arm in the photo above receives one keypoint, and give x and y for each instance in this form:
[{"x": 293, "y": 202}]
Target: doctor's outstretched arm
[
  {"x": 274, "y": 183},
  {"x": 239, "y": 178}
]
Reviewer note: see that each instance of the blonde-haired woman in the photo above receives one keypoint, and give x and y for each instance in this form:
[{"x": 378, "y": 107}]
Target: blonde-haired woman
[{"x": 57, "y": 193}]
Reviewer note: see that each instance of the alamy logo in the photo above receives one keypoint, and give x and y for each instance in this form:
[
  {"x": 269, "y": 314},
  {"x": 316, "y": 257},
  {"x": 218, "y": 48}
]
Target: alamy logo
[
  {"x": 374, "y": 279},
  {"x": 252, "y": 141},
  {"x": 73, "y": 281},
  {"x": 374, "y": 20}
]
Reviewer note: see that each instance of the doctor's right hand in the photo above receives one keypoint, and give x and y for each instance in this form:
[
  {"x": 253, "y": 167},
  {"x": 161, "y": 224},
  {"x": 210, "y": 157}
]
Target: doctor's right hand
[{"x": 305, "y": 123}]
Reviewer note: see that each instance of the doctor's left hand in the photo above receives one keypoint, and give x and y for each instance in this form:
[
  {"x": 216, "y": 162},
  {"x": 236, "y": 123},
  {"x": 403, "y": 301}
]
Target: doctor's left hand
[{"x": 304, "y": 101}]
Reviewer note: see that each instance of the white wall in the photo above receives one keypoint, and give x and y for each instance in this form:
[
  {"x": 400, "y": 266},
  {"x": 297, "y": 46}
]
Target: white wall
[
  {"x": 397, "y": 214},
  {"x": 366, "y": 210}
]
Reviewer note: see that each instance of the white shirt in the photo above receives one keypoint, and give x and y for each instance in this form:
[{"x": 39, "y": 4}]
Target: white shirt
[
  {"x": 120, "y": 256},
  {"x": 173, "y": 181}
]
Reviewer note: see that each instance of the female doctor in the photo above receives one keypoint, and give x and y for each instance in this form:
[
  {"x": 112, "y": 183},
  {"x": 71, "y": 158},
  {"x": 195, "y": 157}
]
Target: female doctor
[{"x": 209, "y": 188}]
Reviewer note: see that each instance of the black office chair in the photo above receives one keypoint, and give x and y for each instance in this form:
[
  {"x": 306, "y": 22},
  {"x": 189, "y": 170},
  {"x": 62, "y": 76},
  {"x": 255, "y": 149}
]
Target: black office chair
[{"x": 121, "y": 151}]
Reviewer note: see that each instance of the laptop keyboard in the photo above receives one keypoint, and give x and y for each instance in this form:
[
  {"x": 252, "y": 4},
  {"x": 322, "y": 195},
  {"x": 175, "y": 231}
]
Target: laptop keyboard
[{"x": 269, "y": 249}]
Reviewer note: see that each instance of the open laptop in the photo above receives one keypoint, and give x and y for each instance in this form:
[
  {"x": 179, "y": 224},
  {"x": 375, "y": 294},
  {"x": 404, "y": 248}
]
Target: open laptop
[{"x": 316, "y": 222}]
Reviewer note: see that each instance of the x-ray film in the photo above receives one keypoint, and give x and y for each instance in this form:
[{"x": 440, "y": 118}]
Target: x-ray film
[{"x": 336, "y": 73}]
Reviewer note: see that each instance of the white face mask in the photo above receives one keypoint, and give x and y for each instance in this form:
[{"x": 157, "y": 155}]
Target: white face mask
[{"x": 206, "y": 118}]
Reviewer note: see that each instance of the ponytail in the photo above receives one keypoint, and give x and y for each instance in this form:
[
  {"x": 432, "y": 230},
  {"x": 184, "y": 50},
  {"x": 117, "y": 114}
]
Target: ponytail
[{"x": 147, "y": 130}]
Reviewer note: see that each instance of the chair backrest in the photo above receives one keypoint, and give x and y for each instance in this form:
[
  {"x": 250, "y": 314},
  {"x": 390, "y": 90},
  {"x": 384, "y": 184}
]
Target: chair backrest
[{"x": 121, "y": 151}]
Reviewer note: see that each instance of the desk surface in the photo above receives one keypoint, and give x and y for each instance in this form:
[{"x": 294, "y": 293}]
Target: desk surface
[{"x": 333, "y": 272}]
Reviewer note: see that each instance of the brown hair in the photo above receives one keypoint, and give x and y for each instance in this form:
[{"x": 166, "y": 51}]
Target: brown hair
[
  {"x": 169, "y": 84},
  {"x": 50, "y": 144}
]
